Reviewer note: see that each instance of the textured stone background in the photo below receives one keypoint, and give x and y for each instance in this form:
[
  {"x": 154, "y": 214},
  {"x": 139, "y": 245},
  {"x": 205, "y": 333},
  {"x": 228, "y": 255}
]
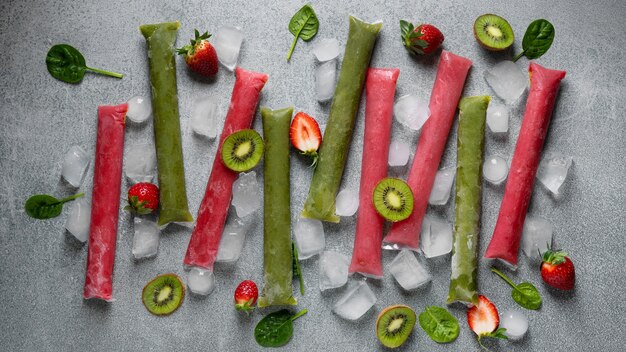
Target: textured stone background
[{"x": 43, "y": 267}]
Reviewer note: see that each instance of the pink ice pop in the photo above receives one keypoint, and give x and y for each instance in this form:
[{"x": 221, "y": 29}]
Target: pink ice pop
[
  {"x": 380, "y": 87},
  {"x": 105, "y": 200},
  {"x": 206, "y": 235},
  {"x": 544, "y": 86},
  {"x": 444, "y": 99}
]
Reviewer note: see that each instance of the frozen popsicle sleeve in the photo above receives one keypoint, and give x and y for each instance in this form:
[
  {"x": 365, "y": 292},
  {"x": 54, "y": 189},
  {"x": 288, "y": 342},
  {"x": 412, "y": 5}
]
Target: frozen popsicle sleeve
[
  {"x": 544, "y": 86},
  {"x": 467, "y": 205},
  {"x": 107, "y": 181},
  {"x": 277, "y": 255},
  {"x": 320, "y": 203},
  {"x": 161, "y": 39}
]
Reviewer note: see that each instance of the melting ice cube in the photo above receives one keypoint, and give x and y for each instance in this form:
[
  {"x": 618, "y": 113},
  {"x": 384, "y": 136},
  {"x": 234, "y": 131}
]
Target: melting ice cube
[
  {"x": 398, "y": 153},
  {"x": 140, "y": 162},
  {"x": 309, "y": 237},
  {"x": 233, "y": 237},
  {"x": 79, "y": 218},
  {"x": 436, "y": 237},
  {"x": 333, "y": 270},
  {"x": 407, "y": 271},
  {"x": 146, "y": 238},
  {"x": 139, "y": 109},
  {"x": 536, "y": 236},
  {"x": 246, "y": 194},
  {"x": 201, "y": 281},
  {"x": 204, "y": 117},
  {"x": 495, "y": 169},
  {"x": 498, "y": 117},
  {"x": 227, "y": 43},
  {"x": 411, "y": 111},
  {"x": 347, "y": 202},
  {"x": 325, "y": 76},
  {"x": 440, "y": 193},
  {"x": 507, "y": 81},
  {"x": 355, "y": 302},
  {"x": 515, "y": 323},
  {"x": 553, "y": 170},
  {"x": 326, "y": 49},
  {"x": 75, "y": 165}
]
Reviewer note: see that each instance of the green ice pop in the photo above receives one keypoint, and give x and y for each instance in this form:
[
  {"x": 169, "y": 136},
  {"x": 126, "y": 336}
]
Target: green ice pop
[
  {"x": 470, "y": 146},
  {"x": 277, "y": 260},
  {"x": 320, "y": 203},
  {"x": 161, "y": 39}
]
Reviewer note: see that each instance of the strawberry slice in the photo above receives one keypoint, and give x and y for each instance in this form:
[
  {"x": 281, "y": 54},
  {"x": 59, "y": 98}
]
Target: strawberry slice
[
  {"x": 305, "y": 135},
  {"x": 483, "y": 319}
]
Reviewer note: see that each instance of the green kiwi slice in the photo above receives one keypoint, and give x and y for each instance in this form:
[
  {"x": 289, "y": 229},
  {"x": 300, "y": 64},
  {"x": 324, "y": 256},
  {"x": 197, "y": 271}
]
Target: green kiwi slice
[
  {"x": 393, "y": 199},
  {"x": 394, "y": 325},
  {"x": 242, "y": 150},
  {"x": 164, "y": 294},
  {"x": 493, "y": 32}
]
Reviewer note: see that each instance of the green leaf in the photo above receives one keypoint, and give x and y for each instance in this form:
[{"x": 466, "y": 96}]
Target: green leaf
[
  {"x": 276, "y": 328},
  {"x": 67, "y": 64},
  {"x": 439, "y": 324},
  {"x": 525, "y": 294},
  {"x": 43, "y": 206},
  {"x": 537, "y": 39},
  {"x": 304, "y": 24}
]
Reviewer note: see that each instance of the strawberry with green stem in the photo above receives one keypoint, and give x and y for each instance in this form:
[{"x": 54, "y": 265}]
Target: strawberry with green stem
[
  {"x": 200, "y": 55},
  {"x": 305, "y": 135},
  {"x": 246, "y": 295},
  {"x": 557, "y": 270},
  {"x": 483, "y": 319},
  {"x": 143, "y": 198},
  {"x": 421, "y": 40}
]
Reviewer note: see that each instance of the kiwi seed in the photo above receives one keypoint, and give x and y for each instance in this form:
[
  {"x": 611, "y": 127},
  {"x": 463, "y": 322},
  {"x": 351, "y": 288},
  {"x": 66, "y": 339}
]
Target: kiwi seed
[
  {"x": 493, "y": 32},
  {"x": 164, "y": 294},
  {"x": 393, "y": 199},
  {"x": 394, "y": 325},
  {"x": 242, "y": 150}
]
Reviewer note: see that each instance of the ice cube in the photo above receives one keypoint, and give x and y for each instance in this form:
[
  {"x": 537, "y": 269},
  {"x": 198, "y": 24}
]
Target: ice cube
[
  {"x": 347, "y": 202},
  {"x": 498, "y": 117},
  {"x": 515, "y": 323},
  {"x": 146, "y": 238},
  {"x": 440, "y": 193},
  {"x": 140, "y": 162},
  {"x": 407, "y": 271},
  {"x": 75, "y": 165},
  {"x": 333, "y": 270},
  {"x": 201, "y": 281},
  {"x": 79, "y": 219},
  {"x": 553, "y": 170},
  {"x": 227, "y": 42},
  {"x": 398, "y": 153},
  {"x": 411, "y": 111},
  {"x": 204, "y": 117},
  {"x": 309, "y": 237},
  {"x": 325, "y": 76},
  {"x": 436, "y": 237},
  {"x": 536, "y": 236},
  {"x": 233, "y": 237},
  {"x": 495, "y": 169},
  {"x": 326, "y": 49},
  {"x": 139, "y": 109},
  {"x": 507, "y": 81},
  {"x": 355, "y": 302},
  {"x": 246, "y": 194}
]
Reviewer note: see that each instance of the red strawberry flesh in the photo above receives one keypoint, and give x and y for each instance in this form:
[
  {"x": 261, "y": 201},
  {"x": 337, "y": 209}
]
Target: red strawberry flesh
[{"x": 483, "y": 317}]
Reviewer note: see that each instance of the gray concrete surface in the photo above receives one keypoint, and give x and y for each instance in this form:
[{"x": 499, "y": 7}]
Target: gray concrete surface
[{"x": 42, "y": 267}]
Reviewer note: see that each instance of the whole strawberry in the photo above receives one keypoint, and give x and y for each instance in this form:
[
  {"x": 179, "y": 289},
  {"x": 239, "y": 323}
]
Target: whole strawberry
[
  {"x": 423, "y": 39},
  {"x": 557, "y": 270},
  {"x": 246, "y": 295},
  {"x": 143, "y": 198},
  {"x": 200, "y": 55}
]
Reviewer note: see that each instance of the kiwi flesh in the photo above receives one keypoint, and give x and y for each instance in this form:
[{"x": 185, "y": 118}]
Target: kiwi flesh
[
  {"x": 493, "y": 32},
  {"x": 394, "y": 325},
  {"x": 242, "y": 150},
  {"x": 164, "y": 294},
  {"x": 393, "y": 199}
]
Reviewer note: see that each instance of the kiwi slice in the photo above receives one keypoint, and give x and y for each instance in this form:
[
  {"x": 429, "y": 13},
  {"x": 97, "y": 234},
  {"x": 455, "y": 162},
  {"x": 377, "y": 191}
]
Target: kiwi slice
[
  {"x": 393, "y": 199},
  {"x": 242, "y": 150},
  {"x": 493, "y": 32},
  {"x": 394, "y": 325},
  {"x": 164, "y": 294}
]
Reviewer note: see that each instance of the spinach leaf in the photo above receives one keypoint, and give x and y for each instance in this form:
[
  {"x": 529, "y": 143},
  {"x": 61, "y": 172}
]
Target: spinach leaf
[
  {"x": 537, "y": 39},
  {"x": 439, "y": 324},
  {"x": 43, "y": 206},
  {"x": 67, "y": 64},
  {"x": 525, "y": 294},
  {"x": 304, "y": 25},
  {"x": 297, "y": 272},
  {"x": 275, "y": 329}
]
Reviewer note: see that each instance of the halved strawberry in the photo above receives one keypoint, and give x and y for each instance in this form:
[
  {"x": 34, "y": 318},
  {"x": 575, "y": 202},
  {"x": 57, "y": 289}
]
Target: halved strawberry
[
  {"x": 557, "y": 270},
  {"x": 305, "y": 135},
  {"x": 246, "y": 295},
  {"x": 483, "y": 319}
]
